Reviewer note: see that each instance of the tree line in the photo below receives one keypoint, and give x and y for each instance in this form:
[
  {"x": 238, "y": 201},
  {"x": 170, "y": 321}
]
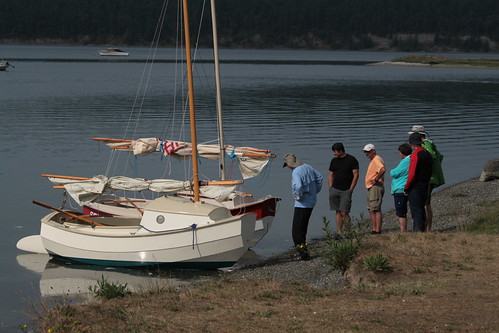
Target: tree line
[{"x": 407, "y": 25}]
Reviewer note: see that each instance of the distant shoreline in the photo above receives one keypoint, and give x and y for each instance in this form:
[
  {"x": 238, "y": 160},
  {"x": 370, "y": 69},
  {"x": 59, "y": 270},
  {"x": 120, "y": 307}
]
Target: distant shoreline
[
  {"x": 412, "y": 64},
  {"x": 438, "y": 61}
]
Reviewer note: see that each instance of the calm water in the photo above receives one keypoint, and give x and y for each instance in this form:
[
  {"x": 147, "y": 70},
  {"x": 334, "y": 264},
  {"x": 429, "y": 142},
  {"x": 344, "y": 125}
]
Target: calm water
[{"x": 57, "y": 98}]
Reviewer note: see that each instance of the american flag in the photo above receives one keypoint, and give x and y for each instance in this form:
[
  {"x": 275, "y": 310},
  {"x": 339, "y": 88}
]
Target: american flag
[{"x": 168, "y": 147}]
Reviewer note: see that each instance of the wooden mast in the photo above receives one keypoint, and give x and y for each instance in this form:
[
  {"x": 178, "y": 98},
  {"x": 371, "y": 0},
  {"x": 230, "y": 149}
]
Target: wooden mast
[
  {"x": 219, "y": 90},
  {"x": 192, "y": 112}
]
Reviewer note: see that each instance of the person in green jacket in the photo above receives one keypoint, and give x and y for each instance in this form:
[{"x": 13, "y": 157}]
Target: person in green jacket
[{"x": 437, "y": 174}]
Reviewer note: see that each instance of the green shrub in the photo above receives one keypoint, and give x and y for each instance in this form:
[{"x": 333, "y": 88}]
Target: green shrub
[
  {"x": 109, "y": 290},
  {"x": 340, "y": 251},
  {"x": 377, "y": 263}
]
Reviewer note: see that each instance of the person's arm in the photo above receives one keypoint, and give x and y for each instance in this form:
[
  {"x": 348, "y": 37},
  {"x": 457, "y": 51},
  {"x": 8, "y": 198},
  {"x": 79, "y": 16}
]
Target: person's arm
[
  {"x": 318, "y": 181},
  {"x": 330, "y": 179},
  {"x": 412, "y": 171},
  {"x": 355, "y": 179},
  {"x": 296, "y": 185},
  {"x": 380, "y": 174},
  {"x": 401, "y": 169}
]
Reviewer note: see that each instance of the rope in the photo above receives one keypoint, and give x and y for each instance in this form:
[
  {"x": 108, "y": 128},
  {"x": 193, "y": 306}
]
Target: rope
[
  {"x": 193, "y": 226},
  {"x": 64, "y": 199}
]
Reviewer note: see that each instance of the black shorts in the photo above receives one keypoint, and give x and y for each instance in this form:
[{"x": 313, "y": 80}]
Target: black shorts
[{"x": 400, "y": 200}]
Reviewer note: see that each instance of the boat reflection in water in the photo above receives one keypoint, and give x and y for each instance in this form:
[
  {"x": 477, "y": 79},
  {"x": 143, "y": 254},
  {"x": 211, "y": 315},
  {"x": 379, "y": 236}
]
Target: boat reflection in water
[{"x": 71, "y": 281}]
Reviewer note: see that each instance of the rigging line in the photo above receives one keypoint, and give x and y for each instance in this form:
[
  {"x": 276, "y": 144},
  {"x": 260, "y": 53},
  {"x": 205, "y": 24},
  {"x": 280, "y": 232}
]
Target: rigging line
[
  {"x": 182, "y": 88},
  {"x": 169, "y": 125},
  {"x": 149, "y": 61},
  {"x": 196, "y": 47},
  {"x": 179, "y": 96},
  {"x": 183, "y": 100},
  {"x": 206, "y": 86},
  {"x": 151, "y": 58},
  {"x": 202, "y": 65}
]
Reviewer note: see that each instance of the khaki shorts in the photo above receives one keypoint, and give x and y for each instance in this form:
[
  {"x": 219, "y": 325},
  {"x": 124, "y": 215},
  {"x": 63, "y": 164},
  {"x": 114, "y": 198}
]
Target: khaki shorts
[{"x": 375, "y": 197}]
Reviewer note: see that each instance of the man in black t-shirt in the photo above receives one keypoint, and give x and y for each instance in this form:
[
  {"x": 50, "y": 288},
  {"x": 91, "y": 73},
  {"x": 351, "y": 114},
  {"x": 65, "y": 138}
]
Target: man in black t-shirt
[{"x": 343, "y": 176}]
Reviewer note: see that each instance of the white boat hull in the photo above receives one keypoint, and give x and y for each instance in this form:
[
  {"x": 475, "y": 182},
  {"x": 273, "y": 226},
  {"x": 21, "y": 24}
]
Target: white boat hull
[
  {"x": 218, "y": 245},
  {"x": 265, "y": 209},
  {"x": 174, "y": 232}
]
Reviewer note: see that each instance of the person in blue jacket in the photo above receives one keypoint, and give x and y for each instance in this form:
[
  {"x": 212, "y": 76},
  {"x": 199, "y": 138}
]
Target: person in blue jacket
[
  {"x": 306, "y": 182},
  {"x": 399, "y": 178}
]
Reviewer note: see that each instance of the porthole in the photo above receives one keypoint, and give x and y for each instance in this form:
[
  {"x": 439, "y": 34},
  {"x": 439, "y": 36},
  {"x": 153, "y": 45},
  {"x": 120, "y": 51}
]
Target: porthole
[{"x": 160, "y": 219}]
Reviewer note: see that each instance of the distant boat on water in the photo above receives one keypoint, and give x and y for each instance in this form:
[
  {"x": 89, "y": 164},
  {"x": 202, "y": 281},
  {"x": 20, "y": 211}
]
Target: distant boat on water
[
  {"x": 113, "y": 52},
  {"x": 4, "y": 65}
]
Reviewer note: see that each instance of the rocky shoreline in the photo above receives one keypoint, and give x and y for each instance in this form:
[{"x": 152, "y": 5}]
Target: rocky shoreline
[{"x": 452, "y": 206}]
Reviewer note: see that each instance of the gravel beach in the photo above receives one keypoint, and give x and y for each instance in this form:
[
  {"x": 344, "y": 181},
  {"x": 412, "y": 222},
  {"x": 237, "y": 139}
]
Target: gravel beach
[{"x": 452, "y": 206}]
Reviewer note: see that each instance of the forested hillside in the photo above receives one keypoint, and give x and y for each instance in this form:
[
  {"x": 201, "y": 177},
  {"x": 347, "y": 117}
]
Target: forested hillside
[{"x": 408, "y": 25}]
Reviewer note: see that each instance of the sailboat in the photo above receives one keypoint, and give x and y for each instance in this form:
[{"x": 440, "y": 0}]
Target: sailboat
[
  {"x": 220, "y": 192},
  {"x": 172, "y": 230},
  {"x": 89, "y": 192}
]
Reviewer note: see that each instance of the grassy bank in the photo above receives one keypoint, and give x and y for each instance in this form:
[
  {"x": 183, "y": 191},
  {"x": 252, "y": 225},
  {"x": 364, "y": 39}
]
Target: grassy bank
[
  {"x": 435, "y": 282},
  {"x": 433, "y": 60}
]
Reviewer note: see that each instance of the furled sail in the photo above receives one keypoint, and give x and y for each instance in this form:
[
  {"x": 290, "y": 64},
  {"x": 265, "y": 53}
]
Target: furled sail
[
  {"x": 251, "y": 161},
  {"x": 84, "y": 191}
]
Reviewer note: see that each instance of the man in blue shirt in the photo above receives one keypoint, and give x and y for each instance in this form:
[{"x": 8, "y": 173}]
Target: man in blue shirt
[{"x": 306, "y": 182}]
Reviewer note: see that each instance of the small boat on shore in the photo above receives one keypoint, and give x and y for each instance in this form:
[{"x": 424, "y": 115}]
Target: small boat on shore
[{"x": 113, "y": 52}]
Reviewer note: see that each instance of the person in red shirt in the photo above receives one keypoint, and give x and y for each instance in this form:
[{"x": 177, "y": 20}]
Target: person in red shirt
[{"x": 418, "y": 181}]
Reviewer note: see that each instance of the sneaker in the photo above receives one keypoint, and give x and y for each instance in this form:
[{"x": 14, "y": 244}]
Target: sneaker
[
  {"x": 305, "y": 256},
  {"x": 303, "y": 251}
]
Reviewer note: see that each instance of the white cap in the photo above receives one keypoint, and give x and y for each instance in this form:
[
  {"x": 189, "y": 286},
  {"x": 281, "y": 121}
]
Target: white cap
[{"x": 369, "y": 147}]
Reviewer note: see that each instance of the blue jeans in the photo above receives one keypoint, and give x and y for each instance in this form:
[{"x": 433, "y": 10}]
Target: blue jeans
[{"x": 417, "y": 200}]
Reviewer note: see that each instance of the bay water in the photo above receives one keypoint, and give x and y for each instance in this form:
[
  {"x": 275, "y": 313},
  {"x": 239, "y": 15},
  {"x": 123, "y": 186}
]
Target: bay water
[{"x": 58, "y": 97}]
